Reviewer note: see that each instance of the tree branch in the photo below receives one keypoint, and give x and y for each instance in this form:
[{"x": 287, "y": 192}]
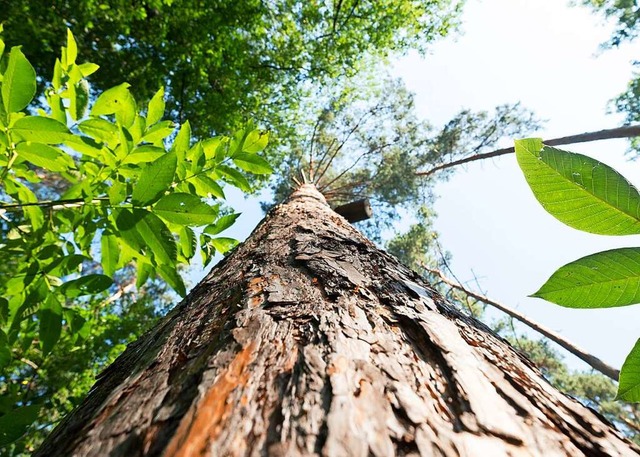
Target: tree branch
[
  {"x": 53, "y": 204},
  {"x": 589, "y": 359},
  {"x": 628, "y": 131}
]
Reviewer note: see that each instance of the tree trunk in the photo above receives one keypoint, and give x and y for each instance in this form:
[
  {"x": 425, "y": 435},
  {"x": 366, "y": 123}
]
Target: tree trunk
[{"x": 308, "y": 340}]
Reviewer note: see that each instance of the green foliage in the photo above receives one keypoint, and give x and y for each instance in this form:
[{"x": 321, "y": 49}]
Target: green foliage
[
  {"x": 225, "y": 61},
  {"x": 629, "y": 389},
  {"x": 581, "y": 192},
  {"x": 590, "y": 196},
  {"x": 626, "y": 14},
  {"x": 602, "y": 280},
  {"x": 125, "y": 196}
]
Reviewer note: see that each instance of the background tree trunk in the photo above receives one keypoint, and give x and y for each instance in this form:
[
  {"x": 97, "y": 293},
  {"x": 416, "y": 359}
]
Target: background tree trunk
[{"x": 310, "y": 340}]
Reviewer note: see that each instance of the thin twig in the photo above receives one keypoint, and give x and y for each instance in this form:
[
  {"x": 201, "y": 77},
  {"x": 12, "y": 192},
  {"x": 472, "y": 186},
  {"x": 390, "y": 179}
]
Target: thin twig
[
  {"x": 53, "y": 204},
  {"x": 588, "y": 358},
  {"x": 628, "y": 131}
]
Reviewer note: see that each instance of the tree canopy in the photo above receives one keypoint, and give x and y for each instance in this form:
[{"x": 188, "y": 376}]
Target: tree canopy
[{"x": 223, "y": 61}]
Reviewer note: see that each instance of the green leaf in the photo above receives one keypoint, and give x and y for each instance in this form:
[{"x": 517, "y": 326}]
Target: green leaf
[
  {"x": 580, "y": 191},
  {"x": 184, "y": 209},
  {"x": 119, "y": 101},
  {"x": 126, "y": 222},
  {"x": 57, "y": 109},
  {"x": 88, "y": 68},
  {"x": 18, "y": 82},
  {"x": 100, "y": 129},
  {"x": 252, "y": 163},
  {"x": 156, "y": 108},
  {"x": 42, "y": 155},
  {"x": 171, "y": 276},
  {"x": 143, "y": 272},
  {"x": 235, "y": 178},
  {"x": 143, "y": 154},
  {"x": 72, "y": 48},
  {"x": 109, "y": 253},
  {"x": 158, "y": 132},
  {"x": 50, "y": 315},
  {"x": 156, "y": 236},
  {"x": 182, "y": 141},
  {"x": 56, "y": 79},
  {"x": 207, "y": 186},
  {"x": 86, "y": 285},
  {"x": 222, "y": 224},
  {"x": 224, "y": 245},
  {"x": 155, "y": 180},
  {"x": 117, "y": 192},
  {"x": 211, "y": 147},
  {"x": 255, "y": 142},
  {"x": 5, "y": 350},
  {"x": 15, "y": 423},
  {"x": 602, "y": 280},
  {"x": 629, "y": 383},
  {"x": 187, "y": 242},
  {"x": 77, "y": 324},
  {"x": 41, "y": 129}
]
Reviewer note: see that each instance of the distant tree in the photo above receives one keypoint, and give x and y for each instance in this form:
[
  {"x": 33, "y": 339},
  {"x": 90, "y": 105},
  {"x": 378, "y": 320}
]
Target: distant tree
[{"x": 626, "y": 14}]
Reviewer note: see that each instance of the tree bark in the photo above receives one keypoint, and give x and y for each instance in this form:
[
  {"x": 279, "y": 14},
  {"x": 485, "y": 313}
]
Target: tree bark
[{"x": 308, "y": 340}]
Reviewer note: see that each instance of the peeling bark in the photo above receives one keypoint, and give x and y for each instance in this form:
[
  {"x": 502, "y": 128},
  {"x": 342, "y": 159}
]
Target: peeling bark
[{"x": 308, "y": 340}]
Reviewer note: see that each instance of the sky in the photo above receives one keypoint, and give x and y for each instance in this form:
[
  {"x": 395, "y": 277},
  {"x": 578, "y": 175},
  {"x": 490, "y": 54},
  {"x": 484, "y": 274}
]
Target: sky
[{"x": 546, "y": 55}]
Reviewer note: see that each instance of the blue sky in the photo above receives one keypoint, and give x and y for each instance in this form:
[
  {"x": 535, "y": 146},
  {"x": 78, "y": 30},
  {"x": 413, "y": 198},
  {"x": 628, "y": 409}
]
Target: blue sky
[{"x": 544, "y": 54}]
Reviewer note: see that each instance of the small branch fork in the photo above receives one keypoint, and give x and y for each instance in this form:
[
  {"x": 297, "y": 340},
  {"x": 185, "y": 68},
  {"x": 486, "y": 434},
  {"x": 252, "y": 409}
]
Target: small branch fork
[
  {"x": 628, "y": 131},
  {"x": 588, "y": 358}
]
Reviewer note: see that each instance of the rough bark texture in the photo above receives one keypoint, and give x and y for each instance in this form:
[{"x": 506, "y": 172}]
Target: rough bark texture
[{"x": 308, "y": 340}]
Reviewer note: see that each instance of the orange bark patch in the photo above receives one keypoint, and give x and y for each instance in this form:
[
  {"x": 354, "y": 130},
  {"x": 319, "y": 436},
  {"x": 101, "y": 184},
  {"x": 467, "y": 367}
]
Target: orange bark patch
[{"x": 203, "y": 423}]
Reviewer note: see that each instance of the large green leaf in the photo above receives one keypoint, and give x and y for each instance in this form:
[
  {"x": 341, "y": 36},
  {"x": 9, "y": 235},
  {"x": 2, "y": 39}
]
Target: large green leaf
[
  {"x": 41, "y": 129},
  {"x": 629, "y": 383},
  {"x": 126, "y": 222},
  {"x": 156, "y": 236},
  {"x": 144, "y": 154},
  {"x": 184, "y": 209},
  {"x": 155, "y": 179},
  {"x": 109, "y": 253},
  {"x": 100, "y": 129},
  {"x": 119, "y": 101},
  {"x": 580, "y": 191},
  {"x": 158, "y": 132},
  {"x": 182, "y": 140},
  {"x": 86, "y": 285},
  {"x": 223, "y": 244},
  {"x": 173, "y": 278},
  {"x": 42, "y": 155},
  {"x": 255, "y": 142},
  {"x": 156, "y": 108},
  {"x": 602, "y": 280},
  {"x": 18, "y": 82},
  {"x": 5, "y": 350},
  {"x": 187, "y": 242},
  {"x": 50, "y": 315},
  {"x": 235, "y": 178},
  {"x": 15, "y": 423},
  {"x": 207, "y": 186},
  {"x": 252, "y": 163},
  {"x": 222, "y": 224}
]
